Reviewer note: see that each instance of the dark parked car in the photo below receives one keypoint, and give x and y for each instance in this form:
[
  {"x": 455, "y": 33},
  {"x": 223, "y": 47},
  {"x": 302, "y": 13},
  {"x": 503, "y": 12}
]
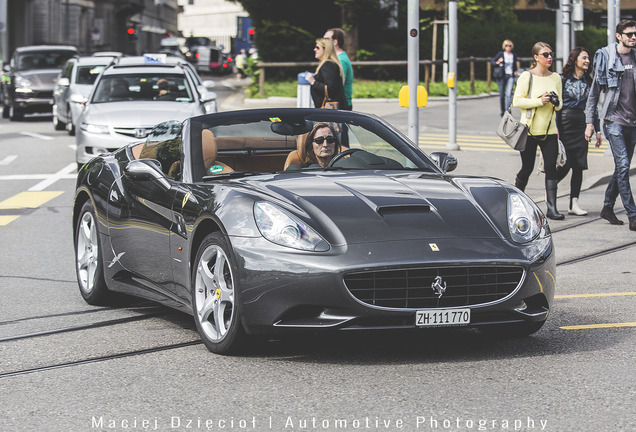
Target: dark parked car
[
  {"x": 29, "y": 79},
  {"x": 223, "y": 217}
]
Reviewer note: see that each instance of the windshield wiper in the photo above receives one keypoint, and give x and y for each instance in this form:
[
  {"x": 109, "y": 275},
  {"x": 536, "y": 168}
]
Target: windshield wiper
[{"x": 230, "y": 175}]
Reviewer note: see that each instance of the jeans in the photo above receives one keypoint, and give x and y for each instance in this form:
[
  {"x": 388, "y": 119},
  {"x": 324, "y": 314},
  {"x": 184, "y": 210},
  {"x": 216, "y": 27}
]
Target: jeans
[
  {"x": 621, "y": 140},
  {"x": 505, "y": 92}
]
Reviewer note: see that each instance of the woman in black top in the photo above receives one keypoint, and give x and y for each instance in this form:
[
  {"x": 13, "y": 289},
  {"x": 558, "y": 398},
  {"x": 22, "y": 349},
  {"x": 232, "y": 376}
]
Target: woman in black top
[
  {"x": 571, "y": 122},
  {"x": 328, "y": 74}
]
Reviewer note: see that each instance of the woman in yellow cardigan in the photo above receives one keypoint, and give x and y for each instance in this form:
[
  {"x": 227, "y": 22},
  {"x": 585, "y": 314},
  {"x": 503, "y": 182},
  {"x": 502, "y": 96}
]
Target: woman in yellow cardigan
[{"x": 544, "y": 100}]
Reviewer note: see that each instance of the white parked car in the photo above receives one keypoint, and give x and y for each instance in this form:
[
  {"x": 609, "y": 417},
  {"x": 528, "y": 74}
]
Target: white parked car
[
  {"x": 129, "y": 98},
  {"x": 72, "y": 88}
]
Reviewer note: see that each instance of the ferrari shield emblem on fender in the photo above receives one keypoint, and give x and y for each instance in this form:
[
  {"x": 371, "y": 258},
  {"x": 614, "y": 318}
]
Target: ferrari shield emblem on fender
[
  {"x": 438, "y": 287},
  {"x": 434, "y": 247}
]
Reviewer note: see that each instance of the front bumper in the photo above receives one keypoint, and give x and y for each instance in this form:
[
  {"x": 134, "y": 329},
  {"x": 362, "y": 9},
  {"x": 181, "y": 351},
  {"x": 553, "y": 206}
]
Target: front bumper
[
  {"x": 281, "y": 290},
  {"x": 29, "y": 105}
]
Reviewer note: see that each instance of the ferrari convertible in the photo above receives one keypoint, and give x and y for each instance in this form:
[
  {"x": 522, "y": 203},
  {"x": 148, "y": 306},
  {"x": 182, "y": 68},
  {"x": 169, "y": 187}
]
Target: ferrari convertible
[{"x": 226, "y": 217}]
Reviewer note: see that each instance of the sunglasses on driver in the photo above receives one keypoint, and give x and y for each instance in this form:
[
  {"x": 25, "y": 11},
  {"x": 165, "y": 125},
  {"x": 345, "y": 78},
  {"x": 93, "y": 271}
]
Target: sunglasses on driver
[{"x": 330, "y": 139}]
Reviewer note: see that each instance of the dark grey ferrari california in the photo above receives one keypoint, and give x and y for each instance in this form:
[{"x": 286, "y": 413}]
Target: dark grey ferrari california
[{"x": 228, "y": 217}]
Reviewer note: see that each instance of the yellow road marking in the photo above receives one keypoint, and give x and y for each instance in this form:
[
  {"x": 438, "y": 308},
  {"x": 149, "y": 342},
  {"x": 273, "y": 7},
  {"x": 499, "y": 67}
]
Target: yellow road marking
[
  {"x": 480, "y": 142},
  {"x": 595, "y": 295},
  {"x": 596, "y": 326},
  {"x": 6, "y": 220},
  {"x": 29, "y": 199}
]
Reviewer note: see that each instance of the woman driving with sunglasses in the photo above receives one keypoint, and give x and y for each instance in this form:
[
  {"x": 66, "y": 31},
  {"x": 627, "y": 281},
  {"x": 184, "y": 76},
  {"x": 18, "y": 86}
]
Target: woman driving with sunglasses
[
  {"x": 321, "y": 145},
  {"x": 539, "y": 94}
]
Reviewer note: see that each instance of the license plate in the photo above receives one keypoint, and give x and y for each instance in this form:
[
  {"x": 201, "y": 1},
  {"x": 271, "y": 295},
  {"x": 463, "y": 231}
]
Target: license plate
[{"x": 442, "y": 317}]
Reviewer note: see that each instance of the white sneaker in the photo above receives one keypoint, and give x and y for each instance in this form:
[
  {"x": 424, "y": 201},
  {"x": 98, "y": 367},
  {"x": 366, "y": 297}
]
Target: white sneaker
[{"x": 575, "y": 209}]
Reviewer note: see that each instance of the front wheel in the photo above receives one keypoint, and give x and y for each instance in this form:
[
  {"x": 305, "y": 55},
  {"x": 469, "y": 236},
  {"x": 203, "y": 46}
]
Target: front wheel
[
  {"x": 215, "y": 297},
  {"x": 15, "y": 114},
  {"x": 57, "y": 124},
  {"x": 88, "y": 259}
]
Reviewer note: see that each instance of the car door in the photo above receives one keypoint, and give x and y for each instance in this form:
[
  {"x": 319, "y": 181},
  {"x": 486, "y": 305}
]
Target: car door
[{"x": 140, "y": 219}]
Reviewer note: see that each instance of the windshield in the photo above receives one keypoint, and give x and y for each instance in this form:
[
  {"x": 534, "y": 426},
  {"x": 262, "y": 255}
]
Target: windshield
[
  {"x": 280, "y": 143},
  {"x": 88, "y": 74},
  {"x": 42, "y": 60},
  {"x": 143, "y": 87}
]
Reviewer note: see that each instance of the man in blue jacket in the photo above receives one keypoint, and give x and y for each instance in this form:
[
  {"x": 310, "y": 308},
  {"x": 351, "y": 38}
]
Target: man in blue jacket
[{"x": 614, "y": 77}]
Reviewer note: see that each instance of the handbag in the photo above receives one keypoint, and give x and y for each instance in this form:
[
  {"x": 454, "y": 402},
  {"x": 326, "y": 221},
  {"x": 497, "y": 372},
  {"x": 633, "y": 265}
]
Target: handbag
[
  {"x": 513, "y": 132},
  {"x": 562, "y": 157},
  {"x": 498, "y": 72},
  {"x": 327, "y": 103},
  {"x": 561, "y": 160}
]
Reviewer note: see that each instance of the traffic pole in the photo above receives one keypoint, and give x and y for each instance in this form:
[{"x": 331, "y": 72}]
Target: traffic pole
[
  {"x": 413, "y": 60},
  {"x": 452, "y": 76}
]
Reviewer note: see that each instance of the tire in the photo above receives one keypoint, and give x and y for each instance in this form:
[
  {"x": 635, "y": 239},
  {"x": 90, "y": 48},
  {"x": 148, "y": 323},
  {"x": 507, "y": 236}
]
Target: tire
[
  {"x": 215, "y": 297},
  {"x": 70, "y": 126},
  {"x": 88, "y": 259},
  {"x": 511, "y": 331},
  {"x": 57, "y": 124},
  {"x": 15, "y": 114},
  {"x": 5, "y": 111}
]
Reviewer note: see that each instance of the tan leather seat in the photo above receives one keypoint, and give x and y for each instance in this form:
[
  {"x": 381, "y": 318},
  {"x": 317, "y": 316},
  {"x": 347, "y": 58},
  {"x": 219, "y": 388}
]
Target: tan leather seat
[
  {"x": 296, "y": 156},
  {"x": 210, "y": 151}
]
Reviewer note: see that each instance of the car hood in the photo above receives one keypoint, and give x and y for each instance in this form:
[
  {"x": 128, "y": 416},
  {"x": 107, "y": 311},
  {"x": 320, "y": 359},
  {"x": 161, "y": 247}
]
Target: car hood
[
  {"x": 138, "y": 114},
  {"x": 378, "y": 207},
  {"x": 41, "y": 79}
]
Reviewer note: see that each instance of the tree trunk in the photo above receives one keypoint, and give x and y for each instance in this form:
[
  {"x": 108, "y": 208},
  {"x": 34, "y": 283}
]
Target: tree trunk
[{"x": 349, "y": 19}]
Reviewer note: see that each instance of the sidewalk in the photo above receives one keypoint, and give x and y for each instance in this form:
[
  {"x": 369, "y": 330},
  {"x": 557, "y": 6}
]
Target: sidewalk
[{"x": 481, "y": 153}]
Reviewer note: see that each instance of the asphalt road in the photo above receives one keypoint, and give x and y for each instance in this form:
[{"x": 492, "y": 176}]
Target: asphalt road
[{"x": 140, "y": 367}]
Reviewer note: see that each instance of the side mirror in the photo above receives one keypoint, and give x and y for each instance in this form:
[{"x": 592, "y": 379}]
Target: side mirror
[
  {"x": 77, "y": 98},
  {"x": 6, "y": 68},
  {"x": 63, "y": 82},
  {"x": 445, "y": 161},
  {"x": 208, "y": 84},
  {"x": 208, "y": 96},
  {"x": 145, "y": 170}
]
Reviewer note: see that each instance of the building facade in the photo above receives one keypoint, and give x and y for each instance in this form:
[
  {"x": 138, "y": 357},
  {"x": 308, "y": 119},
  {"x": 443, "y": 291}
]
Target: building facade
[
  {"x": 90, "y": 25},
  {"x": 214, "y": 19}
]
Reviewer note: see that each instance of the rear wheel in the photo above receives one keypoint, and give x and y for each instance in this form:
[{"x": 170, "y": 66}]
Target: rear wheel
[
  {"x": 88, "y": 259},
  {"x": 214, "y": 297}
]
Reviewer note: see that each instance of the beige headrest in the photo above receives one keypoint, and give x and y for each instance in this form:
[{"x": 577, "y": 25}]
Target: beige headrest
[
  {"x": 208, "y": 146},
  {"x": 300, "y": 146}
]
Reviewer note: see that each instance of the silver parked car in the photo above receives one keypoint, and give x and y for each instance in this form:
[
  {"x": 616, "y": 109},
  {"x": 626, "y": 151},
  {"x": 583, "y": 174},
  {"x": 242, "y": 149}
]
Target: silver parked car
[
  {"x": 130, "y": 98},
  {"x": 73, "y": 87}
]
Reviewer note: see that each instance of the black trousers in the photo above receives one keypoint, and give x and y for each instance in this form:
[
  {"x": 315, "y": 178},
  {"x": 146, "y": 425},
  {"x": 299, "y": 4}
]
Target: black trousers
[{"x": 549, "y": 150}]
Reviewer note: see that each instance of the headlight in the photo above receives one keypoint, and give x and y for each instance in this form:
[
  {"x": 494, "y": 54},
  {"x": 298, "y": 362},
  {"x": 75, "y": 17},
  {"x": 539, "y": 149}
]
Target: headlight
[
  {"x": 279, "y": 227},
  {"x": 525, "y": 220},
  {"x": 22, "y": 82},
  {"x": 210, "y": 107},
  {"x": 93, "y": 128}
]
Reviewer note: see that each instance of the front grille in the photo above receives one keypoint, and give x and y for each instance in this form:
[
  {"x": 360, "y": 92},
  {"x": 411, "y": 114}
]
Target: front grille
[
  {"x": 140, "y": 132},
  {"x": 411, "y": 288}
]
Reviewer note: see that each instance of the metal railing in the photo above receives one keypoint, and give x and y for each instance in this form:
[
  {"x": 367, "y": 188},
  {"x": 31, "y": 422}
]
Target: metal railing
[{"x": 429, "y": 65}]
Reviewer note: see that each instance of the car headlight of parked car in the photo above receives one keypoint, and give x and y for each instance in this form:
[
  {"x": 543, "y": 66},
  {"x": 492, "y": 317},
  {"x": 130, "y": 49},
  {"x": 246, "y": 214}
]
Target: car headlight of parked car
[
  {"x": 23, "y": 85},
  {"x": 525, "y": 220},
  {"x": 210, "y": 107},
  {"x": 281, "y": 228},
  {"x": 94, "y": 128}
]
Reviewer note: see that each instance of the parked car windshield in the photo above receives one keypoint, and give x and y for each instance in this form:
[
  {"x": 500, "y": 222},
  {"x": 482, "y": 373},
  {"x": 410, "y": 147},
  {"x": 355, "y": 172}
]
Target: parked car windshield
[
  {"x": 88, "y": 74},
  {"x": 42, "y": 60},
  {"x": 143, "y": 87}
]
